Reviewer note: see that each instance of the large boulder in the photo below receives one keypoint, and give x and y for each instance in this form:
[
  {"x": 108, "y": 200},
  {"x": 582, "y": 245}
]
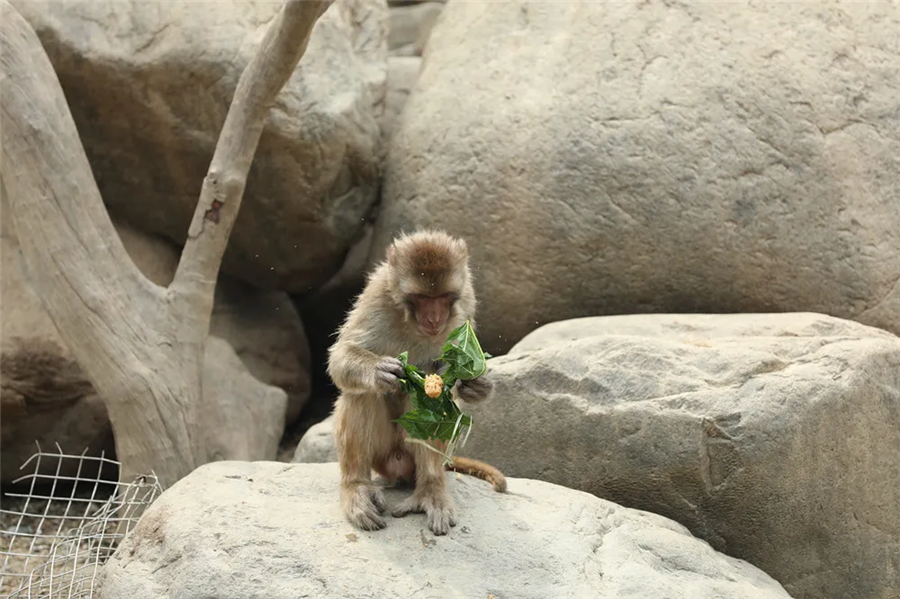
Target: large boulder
[
  {"x": 411, "y": 25},
  {"x": 149, "y": 85},
  {"x": 317, "y": 445},
  {"x": 244, "y": 417},
  {"x": 625, "y": 157},
  {"x": 776, "y": 438},
  {"x": 46, "y": 398},
  {"x": 403, "y": 72},
  {"x": 275, "y": 530}
]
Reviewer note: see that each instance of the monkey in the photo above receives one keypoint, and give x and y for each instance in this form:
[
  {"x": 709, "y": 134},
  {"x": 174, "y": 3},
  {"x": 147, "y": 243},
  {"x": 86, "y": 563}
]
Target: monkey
[{"x": 412, "y": 299}]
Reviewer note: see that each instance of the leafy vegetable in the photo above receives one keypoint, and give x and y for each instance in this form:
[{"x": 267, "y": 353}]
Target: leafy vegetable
[{"x": 440, "y": 417}]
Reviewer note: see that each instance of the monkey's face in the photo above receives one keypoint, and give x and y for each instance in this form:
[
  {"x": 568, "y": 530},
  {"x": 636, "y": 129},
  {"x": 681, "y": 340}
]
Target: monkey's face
[
  {"x": 431, "y": 313},
  {"x": 429, "y": 280}
]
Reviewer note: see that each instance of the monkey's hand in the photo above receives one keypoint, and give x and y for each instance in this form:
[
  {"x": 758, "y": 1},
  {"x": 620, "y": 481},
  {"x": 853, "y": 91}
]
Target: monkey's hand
[
  {"x": 475, "y": 390},
  {"x": 388, "y": 372}
]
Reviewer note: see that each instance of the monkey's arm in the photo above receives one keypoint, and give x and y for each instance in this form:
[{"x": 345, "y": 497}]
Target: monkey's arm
[{"x": 357, "y": 370}]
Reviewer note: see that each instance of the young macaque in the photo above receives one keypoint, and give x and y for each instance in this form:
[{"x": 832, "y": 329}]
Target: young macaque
[{"x": 411, "y": 302}]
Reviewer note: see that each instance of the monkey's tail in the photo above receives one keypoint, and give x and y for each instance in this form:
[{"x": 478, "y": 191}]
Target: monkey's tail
[{"x": 479, "y": 470}]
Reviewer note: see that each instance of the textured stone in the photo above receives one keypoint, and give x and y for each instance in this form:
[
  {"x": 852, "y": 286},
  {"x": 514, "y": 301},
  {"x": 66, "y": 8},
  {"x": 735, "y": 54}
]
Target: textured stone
[
  {"x": 628, "y": 157},
  {"x": 317, "y": 445},
  {"x": 776, "y": 438},
  {"x": 403, "y": 72},
  {"x": 411, "y": 25},
  {"x": 276, "y": 531},
  {"x": 149, "y": 85}
]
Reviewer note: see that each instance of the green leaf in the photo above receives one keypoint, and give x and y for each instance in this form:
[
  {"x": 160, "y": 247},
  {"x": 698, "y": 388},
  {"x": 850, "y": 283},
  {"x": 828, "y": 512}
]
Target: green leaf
[
  {"x": 465, "y": 358},
  {"x": 440, "y": 417}
]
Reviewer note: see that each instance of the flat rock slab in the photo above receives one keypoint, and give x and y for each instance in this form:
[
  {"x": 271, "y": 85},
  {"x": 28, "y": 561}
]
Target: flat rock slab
[{"x": 271, "y": 530}]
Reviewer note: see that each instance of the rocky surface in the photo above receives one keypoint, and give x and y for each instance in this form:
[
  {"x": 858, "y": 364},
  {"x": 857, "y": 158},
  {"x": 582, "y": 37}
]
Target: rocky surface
[
  {"x": 317, "y": 445},
  {"x": 45, "y": 400},
  {"x": 149, "y": 85},
  {"x": 403, "y": 72},
  {"x": 562, "y": 141},
  {"x": 247, "y": 416},
  {"x": 276, "y": 531},
  {"x": 411, "y": 26},
  {"x": 774, "y": 437}
]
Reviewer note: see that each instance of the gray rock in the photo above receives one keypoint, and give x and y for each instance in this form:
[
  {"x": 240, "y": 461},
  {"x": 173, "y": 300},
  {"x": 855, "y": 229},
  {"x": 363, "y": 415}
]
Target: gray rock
[
  {"x": 403, "y": 72},
  {"x": 317, "y": 445},
  {"x": 149, "y": 85},
  {"x": 630, "y": 157},
  {"x": 411, "y": 25},
  {"x": 271, "y": 530},
  {"x": 776, "y": 438},
  {"x": 245, "y": 418}
]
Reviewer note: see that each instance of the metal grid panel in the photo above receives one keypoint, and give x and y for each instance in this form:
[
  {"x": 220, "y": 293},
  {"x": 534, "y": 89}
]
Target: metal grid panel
[{"x": 58, "y": 541}]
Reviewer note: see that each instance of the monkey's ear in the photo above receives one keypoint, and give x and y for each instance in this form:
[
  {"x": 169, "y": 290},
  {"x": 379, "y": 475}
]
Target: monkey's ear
[{"x": 461, "y": 248}]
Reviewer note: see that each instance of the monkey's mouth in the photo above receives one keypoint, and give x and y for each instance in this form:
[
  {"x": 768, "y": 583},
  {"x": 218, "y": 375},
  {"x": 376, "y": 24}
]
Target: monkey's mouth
[{"x": 429, "y": 332}]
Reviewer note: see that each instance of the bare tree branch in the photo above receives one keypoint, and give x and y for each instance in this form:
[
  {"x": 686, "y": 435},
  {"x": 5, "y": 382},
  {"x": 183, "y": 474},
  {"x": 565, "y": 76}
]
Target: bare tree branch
[
  {"x": 142, "y": 346},
  {"x": 58, "y": 210},
  {"x": 223, "y": 188}
]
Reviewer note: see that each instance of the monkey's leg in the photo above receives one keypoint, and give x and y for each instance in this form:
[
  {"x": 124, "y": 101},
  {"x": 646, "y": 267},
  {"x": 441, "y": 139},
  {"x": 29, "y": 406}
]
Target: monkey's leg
[
  {"x": 357, "y": 443},
  {"x": 431, "y": 495}
]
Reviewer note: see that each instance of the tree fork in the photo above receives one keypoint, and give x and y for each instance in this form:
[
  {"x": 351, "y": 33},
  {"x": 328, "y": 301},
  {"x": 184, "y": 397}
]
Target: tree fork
[{"x": 141, "y": 345}]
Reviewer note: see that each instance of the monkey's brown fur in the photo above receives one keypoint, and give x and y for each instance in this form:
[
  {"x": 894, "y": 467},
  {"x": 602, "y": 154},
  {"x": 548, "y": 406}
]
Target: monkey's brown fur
[
  {"x": 412, "y": 300},
  {"x": 480, "y": 470}
]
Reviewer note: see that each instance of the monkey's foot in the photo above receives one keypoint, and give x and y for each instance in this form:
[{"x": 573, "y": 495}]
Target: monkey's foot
[
  {"x": 364, "y": 506},
  {"x": 438, "y": 511}
]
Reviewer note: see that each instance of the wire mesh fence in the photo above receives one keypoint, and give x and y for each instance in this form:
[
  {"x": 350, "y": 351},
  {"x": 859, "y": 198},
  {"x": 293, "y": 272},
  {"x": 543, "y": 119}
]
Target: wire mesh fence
[{"x": 58, "y": 533}]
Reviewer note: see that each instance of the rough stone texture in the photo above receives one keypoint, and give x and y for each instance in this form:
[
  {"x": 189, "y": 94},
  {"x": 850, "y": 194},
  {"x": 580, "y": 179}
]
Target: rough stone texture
[
  {"x": 276, "y": 531},
  {"x": 60, "y": 406},
  {"x": 45, "y": 396},
  {"x": 403, "y": 72},
  {"x": 317, "y": 445},
  {"x": 251, "y": 427},
  {"x": 149, "y": 85},
  {"x": 411, "y": 26},
  {"x": 774, "y": 437},
  {"x": 628, "y": 157}
]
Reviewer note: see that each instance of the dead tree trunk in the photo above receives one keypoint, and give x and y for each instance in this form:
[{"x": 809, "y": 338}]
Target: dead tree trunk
[{"x": 141, "y": 345}]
